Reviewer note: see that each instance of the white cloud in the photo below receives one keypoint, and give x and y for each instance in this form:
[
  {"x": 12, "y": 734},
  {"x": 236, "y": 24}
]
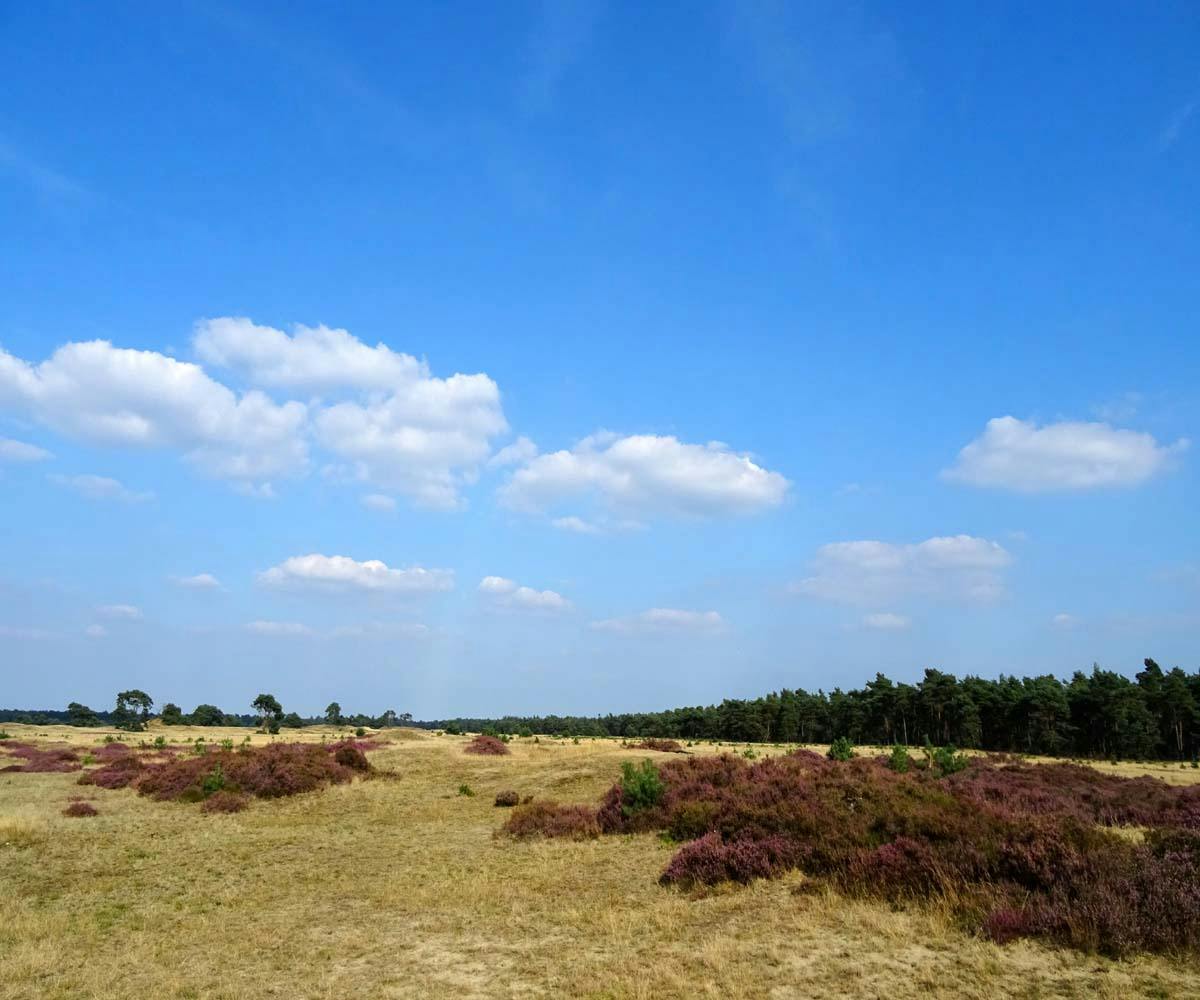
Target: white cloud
[
  {"x": 341, "y": 573},
  {"x": 313, "y": 359},
  {"x": 289, "y": 629},
  {"x": 111, "y": 396},
  {"x": 95, "y": 631},
  {"x": 577, "y": 525},
  {"x": 509, "y": 594},
  {"x": 19, "y": 451},
  {"x": 385, "y": 418},
  {"x": 521, "y": 451},
  {"x": 99, "y": 488},
  {"x": 379, "y": 502},
  {"x": 121, "y": 612},
  {"x": 870, "y": 572},
  {"x": 1064, "y": 620},
  {"x": 646, "y": 473},
  {"x": 663, "y": 620},
  {"x": 1018, "y": 455},
  {"x": 887, "y": 620},
  {"x": 201, "y": 581},
  {"x": 426, "y": 442}
]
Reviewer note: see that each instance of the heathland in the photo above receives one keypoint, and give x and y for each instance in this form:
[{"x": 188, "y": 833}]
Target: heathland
[{"x": 399, "y": 879}]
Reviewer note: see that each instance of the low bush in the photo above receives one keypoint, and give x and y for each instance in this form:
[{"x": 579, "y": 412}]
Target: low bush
[
  {"x": 466, "y": 790},
  {"x": 662, "y": 746},
  {"x": 549, "y": 819},
  {"x": 507, "y": 798},
  {"x": 710, "y": 860},
  {"x": 487, "y": 746},
  {"x": 898, "y": 760},
  {"x": 38, "y": 761},
  {"x": 273, "y": 771},
  {"x": 79, "y": 809},
  {"x": 225, "y": 802},
  {"x": 840, "y": 749}
]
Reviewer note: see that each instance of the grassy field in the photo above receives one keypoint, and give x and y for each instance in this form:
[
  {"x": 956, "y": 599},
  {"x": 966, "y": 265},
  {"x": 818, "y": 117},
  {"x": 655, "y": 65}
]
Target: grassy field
[{"x": 399, "y": 888}]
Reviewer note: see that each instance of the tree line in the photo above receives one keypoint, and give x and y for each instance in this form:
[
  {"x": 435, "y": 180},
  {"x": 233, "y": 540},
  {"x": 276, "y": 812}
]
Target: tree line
[
  {"x": 1155, "y": 715},
  {"x": 1103, "y": 713}
]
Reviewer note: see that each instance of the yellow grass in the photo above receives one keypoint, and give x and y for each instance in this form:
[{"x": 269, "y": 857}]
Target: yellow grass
[{"x": 398, "y": 888}]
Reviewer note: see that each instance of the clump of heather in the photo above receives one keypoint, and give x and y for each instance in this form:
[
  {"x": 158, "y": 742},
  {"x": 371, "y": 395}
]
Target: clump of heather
[
  {"x": 487, "y": 746},
  {"x": 662, "y": 746},
  {"x": 545, "y": 818},
  {"x": 225, "y": 802},
  {"x": 1014, "y": 849},
  {"x": 80, "y": 809},
  {"x": 121, "y": 771},
  {"x": 507, "y": 798},
  {"x": 351, "y": 757},
  {"x": 37, "y": 761}
]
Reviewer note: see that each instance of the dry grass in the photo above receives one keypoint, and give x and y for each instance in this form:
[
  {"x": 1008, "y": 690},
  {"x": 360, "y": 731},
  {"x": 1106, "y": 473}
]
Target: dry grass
[{"x": 398, "y": 888}]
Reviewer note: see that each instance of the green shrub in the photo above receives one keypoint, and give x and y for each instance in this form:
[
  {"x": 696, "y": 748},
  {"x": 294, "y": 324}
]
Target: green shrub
[
  {"x": 946, "y": 759},
  {"x": 465, "y": 789},
  {"x": 4, "y": 735},
  {"x": 227, "y": 743},
  {"x": 898, "y": 761},
  {"x": 360, "y": 732},
  {"x": 213, "y": 782},
  {"x": 749, "y": 753},
  {"x": 840, "y": 749},
  {"x": 453, "y": 729},
  {"x": 642, "y": 786}
]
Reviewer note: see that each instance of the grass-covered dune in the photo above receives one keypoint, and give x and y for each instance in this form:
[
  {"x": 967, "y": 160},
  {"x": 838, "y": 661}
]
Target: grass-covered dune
[{"x": 398, "y": 884}]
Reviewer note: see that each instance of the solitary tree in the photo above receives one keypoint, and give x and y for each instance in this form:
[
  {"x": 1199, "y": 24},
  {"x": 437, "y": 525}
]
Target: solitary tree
[
  {"x": 171, "y": 715},
  {"x": 208, "y": 715},
  {"x": 133, "y": 709},
  {"x": 269, "y": 710},
  {"x": 333, "y": 714}
]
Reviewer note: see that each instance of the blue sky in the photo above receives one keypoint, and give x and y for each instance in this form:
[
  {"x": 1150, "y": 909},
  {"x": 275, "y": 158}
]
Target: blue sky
[{"x": 586, "y": 356}]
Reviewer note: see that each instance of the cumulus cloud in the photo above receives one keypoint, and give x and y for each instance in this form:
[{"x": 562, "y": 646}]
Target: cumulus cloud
[
  {"x": 522, "y": 450},
  {"x": 381, "y": 414},
  {"x": 870, "y": 572},
  {"x": 646, "y": 473},
  {"x": 504, "y": 593},
  {"x": 887, "y": 620},
  {"x": 663, "y": 620},
  {"x": 1018, "y": 455},
  {"x": 201, "y": 581},
  {"x": 121, "y": 612},
  {"x": 288, "y": 629},
  {"x": 341, "y": 573},
  {"x": 19, "y": 451},
  {"x": 111, "y": 396},
  {"x": 312, "y": 359},
  {"x": 99, "y": 488}
]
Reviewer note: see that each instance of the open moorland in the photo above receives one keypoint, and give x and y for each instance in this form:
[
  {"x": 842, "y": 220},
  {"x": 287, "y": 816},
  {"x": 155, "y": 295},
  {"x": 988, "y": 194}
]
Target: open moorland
[{"x": 383, "y": 866}]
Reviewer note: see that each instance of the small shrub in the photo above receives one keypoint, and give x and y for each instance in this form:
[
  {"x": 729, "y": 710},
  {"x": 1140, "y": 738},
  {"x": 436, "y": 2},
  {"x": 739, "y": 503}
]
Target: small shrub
[
  {"x": 711, "y": 860},
  {"x": 949, "y": 761},
  {"x": 360, "y": 732},
  {"x": 840, "y": 749},
  {"x": 898, "y": 760},
  {"x": 225, "y": 802},
  {"x": 507, "y": 799},
  {"x": 4, "y": 735},
  {"x": 465, "y": 789},
  {"x": 549, "y": 819},
  {"x": 160, "y": 742},
  {"x": 642, "y": 787},
  {"x": 749, "y": 753},
  {"x": 79, "y": 809},
  {"x": 662, "y": 746},
  {"x": 1005, "y": 924},
  {"x": 213, "y": 782},
  {"x": 351, "y": 757},
  {"x": 487, "y": 746},
  {"x": 227, "y": 743}
]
